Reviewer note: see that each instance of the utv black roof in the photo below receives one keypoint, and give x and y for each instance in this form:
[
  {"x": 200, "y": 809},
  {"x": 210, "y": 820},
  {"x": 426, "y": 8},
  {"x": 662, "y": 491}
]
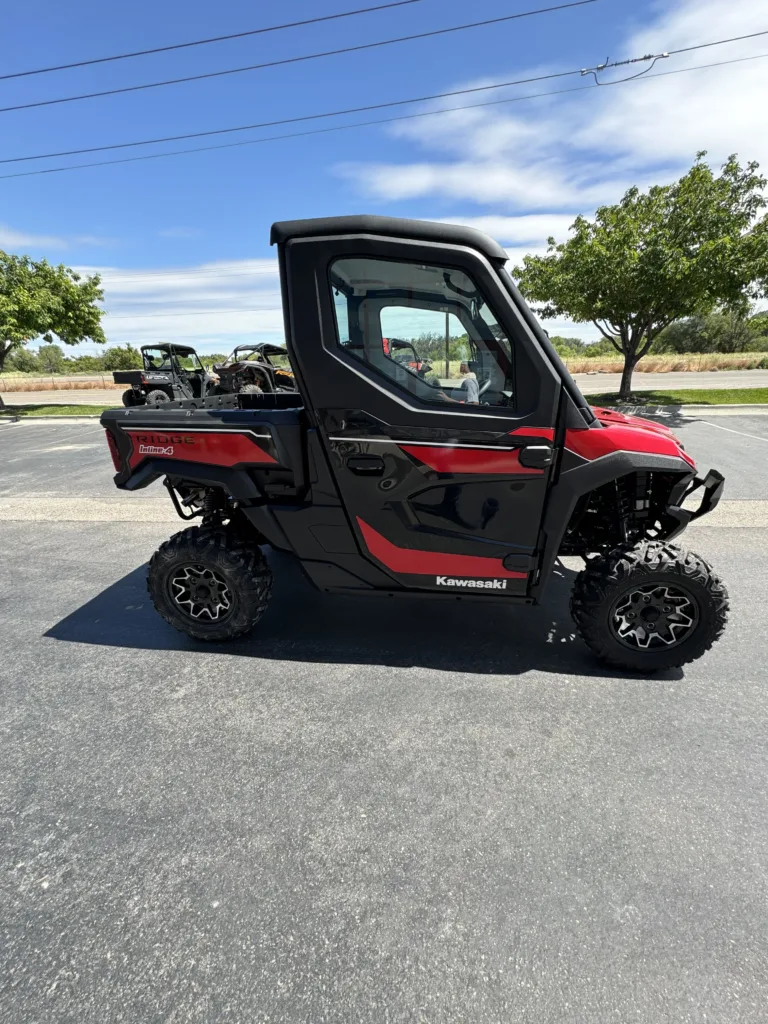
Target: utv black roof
[
  {"x": 268, "y": 346},
  {"x": 398, "y": 227},
  {"x": 181, "y": 350}
]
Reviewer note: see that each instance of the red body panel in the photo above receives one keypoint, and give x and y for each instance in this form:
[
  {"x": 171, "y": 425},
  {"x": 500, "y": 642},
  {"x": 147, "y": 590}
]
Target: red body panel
[
  {"x": 546, "y": 432},
  {"x": 629, "y": 436},
  {"x": 215, "y": 448},
  {"x": 428, "y": 563},
  {"x": 610, "y": 416},
  {"x": 470, "y": 460}
]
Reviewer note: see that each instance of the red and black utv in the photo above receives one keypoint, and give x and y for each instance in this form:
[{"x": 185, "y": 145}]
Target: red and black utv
[{"x": 382, "y": 482}]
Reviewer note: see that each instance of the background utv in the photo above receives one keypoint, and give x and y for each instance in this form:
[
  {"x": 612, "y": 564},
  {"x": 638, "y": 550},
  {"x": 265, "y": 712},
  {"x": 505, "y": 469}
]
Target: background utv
[{"x": 384, "y": 481}]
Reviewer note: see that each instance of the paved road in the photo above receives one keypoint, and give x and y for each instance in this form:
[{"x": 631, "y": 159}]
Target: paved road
[
  {"x": 594, "y": 383},
  {"x": 410, "y": 812},
  {"x": 95, "y": 396},
  {"x": 589, "y": 384}
]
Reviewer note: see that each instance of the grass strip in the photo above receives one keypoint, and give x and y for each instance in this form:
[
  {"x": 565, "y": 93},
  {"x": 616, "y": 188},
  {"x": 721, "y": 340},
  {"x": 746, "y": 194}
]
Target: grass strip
[
  {"x": 54, "y": 410},
  {"x": 698, "y": 396}
]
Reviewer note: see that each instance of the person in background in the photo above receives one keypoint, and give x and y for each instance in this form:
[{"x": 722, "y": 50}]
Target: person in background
[{"x": 469, "y": 385}]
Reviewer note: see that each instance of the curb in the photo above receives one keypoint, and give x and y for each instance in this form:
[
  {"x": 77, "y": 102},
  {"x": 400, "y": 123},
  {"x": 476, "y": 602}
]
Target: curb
[{"x": 50, "y": 419}]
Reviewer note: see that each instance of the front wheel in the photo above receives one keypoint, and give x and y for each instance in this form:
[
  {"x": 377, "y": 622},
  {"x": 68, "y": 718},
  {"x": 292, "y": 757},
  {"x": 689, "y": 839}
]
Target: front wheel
[
  {"x": 210, "y": 583},
  {"x": 650, "y": 607}
]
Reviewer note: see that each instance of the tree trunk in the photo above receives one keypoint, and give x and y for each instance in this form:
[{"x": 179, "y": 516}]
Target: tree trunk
[{"x": 625, "y": 391}]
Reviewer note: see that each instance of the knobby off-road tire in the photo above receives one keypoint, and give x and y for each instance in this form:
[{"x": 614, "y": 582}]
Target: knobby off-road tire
[
  {"x": 129, "y": 399},
  {"x": 157, "y": 398},
  {"x": 616, "y": 597},
  {"x": 210, "y": 582}
]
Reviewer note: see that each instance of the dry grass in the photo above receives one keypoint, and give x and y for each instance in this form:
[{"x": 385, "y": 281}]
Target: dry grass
[
  {"x": 673, "y": 363},
  {"x": 8, "y": 384}
]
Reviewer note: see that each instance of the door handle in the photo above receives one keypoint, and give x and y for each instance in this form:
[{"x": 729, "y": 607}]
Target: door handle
[
  {"x": 366, "y": 465},
  {"x": 536, "y": 456}
]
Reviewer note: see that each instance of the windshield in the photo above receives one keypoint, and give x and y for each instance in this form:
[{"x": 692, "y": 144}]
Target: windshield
[
  {"x": 156, "y": 359},
  {"x": 171, "y": 360}
]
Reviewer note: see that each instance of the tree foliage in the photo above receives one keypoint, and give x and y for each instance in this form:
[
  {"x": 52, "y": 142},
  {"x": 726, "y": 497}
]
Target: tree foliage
[
  {"x": 673, "y": 252},
  {"x": 38, "y": 300},
  {"x": 716, "y": 332},
  {"x": 51, "y": 359},
  {"x": 121, "y": 357}
]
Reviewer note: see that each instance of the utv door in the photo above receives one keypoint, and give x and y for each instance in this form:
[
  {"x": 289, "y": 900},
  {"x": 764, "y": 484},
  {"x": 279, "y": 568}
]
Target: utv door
[{"x": 443, "y": 475}]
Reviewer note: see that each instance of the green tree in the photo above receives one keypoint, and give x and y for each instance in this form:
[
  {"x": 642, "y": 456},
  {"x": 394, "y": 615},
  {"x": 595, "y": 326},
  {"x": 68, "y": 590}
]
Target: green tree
[
  {"x": 121, "y": 357},
  {"x": 50, "y": 359},
  {"x": 717, "y": 332},
  {"x": 567, "y": 346},
  {"x": 674, "y": 251},
  {"x": 38, "y": 300},
  {"x": 23, "y": 361},
  {"x": 86, "y": 364},
  {"x": 759, "y": 324}
]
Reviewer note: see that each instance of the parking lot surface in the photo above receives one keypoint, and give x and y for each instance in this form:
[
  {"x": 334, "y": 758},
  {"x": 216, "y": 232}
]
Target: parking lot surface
[{"x": 366, "y": 811}]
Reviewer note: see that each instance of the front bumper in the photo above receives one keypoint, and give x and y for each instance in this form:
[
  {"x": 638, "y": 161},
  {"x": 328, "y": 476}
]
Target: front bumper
[{"x": 713, "y": 484}]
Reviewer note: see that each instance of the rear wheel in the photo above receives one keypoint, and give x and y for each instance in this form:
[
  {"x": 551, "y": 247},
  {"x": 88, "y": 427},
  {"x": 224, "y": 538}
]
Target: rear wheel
[
  {"x": 650, "y": 607},
  {"x": 157, "y": 398},
  {"x": 251, "y": 389},
  {"x": 210, "y": 583},
  {"x": 129, "y": 398}
]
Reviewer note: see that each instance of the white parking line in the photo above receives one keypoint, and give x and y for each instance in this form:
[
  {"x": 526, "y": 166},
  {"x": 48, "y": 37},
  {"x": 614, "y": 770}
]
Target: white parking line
[{"x": 717, "y": 426}]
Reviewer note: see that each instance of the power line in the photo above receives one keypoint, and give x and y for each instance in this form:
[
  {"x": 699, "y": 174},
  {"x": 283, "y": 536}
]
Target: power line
[
  {"x": 357, "y": 110},
  {"x": 296, "y": 60},
  {"x": 193, "y": 312},
  {"x": 211, "y": 39},
  {"x": 365, "y": 124}
]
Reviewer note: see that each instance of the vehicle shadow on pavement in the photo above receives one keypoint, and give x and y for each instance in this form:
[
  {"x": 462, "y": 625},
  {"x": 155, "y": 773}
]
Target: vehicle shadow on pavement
[{"x": 302, "y": 624}]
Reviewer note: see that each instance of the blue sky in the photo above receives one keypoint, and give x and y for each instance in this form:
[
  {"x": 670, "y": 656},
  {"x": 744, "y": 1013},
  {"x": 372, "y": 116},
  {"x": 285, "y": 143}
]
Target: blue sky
[{"x": 189, "y": 234}]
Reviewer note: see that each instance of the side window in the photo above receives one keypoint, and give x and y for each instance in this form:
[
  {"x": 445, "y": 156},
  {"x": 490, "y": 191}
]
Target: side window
[
  {"x": 280, "y": 360},
  {"x": 428, "y": 329}
]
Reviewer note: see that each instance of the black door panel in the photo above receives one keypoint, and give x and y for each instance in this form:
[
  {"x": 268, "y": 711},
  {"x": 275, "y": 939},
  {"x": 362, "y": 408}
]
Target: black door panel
[{"x": 438, "y": 492}]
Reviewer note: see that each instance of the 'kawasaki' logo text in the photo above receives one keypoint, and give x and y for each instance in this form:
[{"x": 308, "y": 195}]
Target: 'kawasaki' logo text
[{"x": 450, "y": 581}]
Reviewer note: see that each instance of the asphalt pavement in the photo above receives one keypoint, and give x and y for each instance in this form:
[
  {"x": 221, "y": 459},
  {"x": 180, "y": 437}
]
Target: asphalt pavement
[
  {"x": 402, "y": 811},
  {"x": 590, "y": 384}
]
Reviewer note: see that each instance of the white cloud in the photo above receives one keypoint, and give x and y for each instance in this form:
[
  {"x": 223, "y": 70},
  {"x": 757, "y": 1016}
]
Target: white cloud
[
  {"x": 20, "y": 240},
  {"x": 533, "y": 227},
  {"x": 504, "y": 184},
  {"x": 576, "y": 151},
  {"x": 213, "y": 306},
  {"x": 10, "y": 239}
]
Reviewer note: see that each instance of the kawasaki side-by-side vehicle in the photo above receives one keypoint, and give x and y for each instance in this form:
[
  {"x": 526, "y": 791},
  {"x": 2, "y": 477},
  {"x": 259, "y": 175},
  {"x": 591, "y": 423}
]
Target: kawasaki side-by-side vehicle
[
  {"x": 170, "y": 373},
  {"x": 382, "y": 481}
]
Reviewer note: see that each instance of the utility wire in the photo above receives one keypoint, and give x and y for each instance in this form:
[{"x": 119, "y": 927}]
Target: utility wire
[
  {"x": 296, "y": 60},
  {"x": 211, "y": 39},
  {"x": 352, "y": 110},
  {"x": 289, "y": 120},
  {"x": 192, "y": 312},
  {"x": 365, "y": 124}
]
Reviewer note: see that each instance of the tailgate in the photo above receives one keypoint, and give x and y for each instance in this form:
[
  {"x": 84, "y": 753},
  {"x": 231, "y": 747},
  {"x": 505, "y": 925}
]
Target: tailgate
[
  {"x": 127, "y": 376},
  {"x": 248, "y": 453}
]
